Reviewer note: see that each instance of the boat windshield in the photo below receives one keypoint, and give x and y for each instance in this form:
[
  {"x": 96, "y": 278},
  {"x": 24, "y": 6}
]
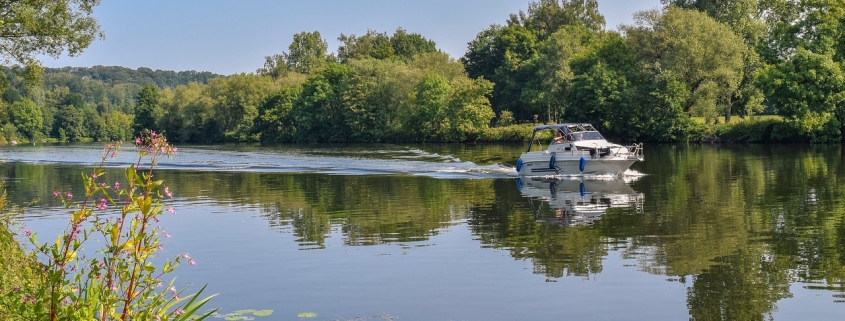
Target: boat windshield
[
  {"x": 584, "y": 132},
  {"x": 592, "y": 136}
]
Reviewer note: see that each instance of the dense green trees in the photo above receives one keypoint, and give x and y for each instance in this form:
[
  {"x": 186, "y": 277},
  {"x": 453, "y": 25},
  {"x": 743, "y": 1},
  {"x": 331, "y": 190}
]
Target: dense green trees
[
  {"x": 700, "y": 58},
  {"x": 555, "y": 62}
]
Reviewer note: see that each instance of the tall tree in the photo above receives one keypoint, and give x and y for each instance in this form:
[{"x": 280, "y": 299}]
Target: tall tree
[
  {"x": 545, "y": 17},
  {"x": 407, "y": 45},
  {"x": 48, "y": 27},
  {"x": 808, "y": 86},
  {"x": 706, "y": 56},
  {"x": 236, "y": 101},
  {"x": 379, "y": 45},
  {"x": 146, "y": 109},
  {"x": 319, "y": 108},
  {"x": 546, "y": 90},
  {"x": 429, "y": 117},
  {"x": 307, "y": 52},
  {"x": 27, "y": 118},
  {"x": 497, "y": 54},
  {"x": 373, "y": 44}
]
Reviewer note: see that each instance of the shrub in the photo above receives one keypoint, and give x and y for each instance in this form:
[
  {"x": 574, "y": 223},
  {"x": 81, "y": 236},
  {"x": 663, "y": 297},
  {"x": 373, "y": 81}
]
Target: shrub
[{"x": 512, "y": 133}]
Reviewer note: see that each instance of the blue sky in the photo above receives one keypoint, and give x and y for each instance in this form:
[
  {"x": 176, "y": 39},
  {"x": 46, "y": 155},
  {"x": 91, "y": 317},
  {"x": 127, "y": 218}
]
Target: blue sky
[{"x": 229, "y": 37}]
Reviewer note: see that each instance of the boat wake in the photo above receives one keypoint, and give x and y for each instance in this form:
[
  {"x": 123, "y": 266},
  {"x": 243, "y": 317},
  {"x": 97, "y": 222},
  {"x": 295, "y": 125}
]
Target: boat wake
[{"x": 381, "y": 160}]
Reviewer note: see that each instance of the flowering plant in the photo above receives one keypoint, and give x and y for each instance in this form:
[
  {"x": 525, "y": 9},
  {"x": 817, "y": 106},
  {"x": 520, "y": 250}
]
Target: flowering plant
[{"x": 119, "y": 281}]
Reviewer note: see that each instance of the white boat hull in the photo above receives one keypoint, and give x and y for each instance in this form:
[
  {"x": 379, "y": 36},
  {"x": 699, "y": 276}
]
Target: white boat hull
[{"x": 539, "y": 163}]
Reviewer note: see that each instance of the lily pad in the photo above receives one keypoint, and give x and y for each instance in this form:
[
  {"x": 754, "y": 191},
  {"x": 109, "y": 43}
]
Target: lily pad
[
  {"x": 307, "y": 315},
  {"x": 263, "y": 313},
  {"x": 247, "y": 311}
]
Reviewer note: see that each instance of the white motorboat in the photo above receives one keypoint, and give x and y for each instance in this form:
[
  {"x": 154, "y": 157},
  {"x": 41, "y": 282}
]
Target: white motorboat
[
  {"x": 577, "y": 202},
  {"x": 575, "y": 149}
]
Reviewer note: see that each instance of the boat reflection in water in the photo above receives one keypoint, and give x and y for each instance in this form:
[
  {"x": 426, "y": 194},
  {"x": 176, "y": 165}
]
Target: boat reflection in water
[{"x": 577, "y": 201}]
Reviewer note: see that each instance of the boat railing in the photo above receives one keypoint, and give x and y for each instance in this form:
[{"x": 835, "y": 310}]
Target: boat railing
[{"x": 635, "y": 150}]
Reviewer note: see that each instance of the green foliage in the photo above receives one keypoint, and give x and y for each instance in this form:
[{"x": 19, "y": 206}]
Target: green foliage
[
  {"x": 376, "y": 98},
  {"x": 749, "y": 131},
  {"x": 371, "y": 45},
  {"x": 511, "y": 133},
  {"x": 807, "y": 86},
  {"x": 402, "y": 45},
  {"x": 147, "y": 109},
  {"x": 27, "y": 118},
  {"x": 235, "y": 106},
  {"x": 705, "y": 56},
  {"x": 428, "y": 118},
  {"x": 119, "y": 280},
  {"x": 408, "y": 45},
  {"x": 20, "y": 268},
  {"x": 275, "y": 122},
  {"x": 319, "y": 109},
  {"x": 545, "y": 17},
  {"x": 48, "y": 27},
  {"x": 505, "y": 119}
]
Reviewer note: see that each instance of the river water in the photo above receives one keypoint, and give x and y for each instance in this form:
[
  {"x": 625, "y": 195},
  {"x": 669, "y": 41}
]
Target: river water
[{"x": 449, "y": 232}]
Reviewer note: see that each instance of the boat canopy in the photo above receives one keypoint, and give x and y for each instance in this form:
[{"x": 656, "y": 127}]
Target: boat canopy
[
  {"x": 567, "y": 128},
  {"x": 575, "y": 131}
]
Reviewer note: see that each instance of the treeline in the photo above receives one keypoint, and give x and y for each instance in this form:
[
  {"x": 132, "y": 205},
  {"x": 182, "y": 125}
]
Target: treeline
[
  {"x": 554, "y": 62},
  {"x": 702, "y": 58},
  {"x": 78, "y": 103},
  {"x": 379, "y": 87}
]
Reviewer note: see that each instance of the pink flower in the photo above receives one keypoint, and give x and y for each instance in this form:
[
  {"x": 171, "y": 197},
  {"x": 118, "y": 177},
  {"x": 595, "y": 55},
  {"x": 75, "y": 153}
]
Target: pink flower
[
  {"x": 68, "y": 195},
  {"x": 116, "y": 185},
  {"x": 94, "y": 175},
  {"x": 28, "y": 232},
  {"x": 192, "y": 262},
  {"x": 166, "y": 234},
  {"x": 102, "y": 204},
  {"x": 137, "y": 140},
  {"x": 55, "y": 193},
  {"x": 167, "y": 191},
  {"x": 170, "y": 209}
]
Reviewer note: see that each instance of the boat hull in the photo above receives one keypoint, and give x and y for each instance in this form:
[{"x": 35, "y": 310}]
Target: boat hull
[{"x": 540, "y": 163}]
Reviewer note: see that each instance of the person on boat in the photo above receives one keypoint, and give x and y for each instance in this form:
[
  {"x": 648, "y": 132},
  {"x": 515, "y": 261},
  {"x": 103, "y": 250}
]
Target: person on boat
[{"x": 558, "y": 137}]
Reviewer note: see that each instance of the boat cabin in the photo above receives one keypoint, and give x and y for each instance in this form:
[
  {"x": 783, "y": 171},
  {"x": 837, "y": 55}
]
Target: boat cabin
[{"x": 564, "y": 133}]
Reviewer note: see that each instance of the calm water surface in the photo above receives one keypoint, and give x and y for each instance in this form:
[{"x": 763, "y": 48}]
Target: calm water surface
[{"x": 449, "y": 232}]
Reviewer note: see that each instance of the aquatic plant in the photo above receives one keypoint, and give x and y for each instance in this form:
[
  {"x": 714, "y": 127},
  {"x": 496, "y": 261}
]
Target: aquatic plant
[{"x": 119, "y": 280}]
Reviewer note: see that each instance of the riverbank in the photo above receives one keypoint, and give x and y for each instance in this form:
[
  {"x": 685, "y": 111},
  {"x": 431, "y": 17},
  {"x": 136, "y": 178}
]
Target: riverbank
[{"x": 20, "y": 268}]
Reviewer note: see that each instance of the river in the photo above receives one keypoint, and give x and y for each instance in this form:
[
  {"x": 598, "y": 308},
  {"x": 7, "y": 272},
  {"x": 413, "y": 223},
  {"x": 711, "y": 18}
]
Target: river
[{"x": 449, "y": 232}]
